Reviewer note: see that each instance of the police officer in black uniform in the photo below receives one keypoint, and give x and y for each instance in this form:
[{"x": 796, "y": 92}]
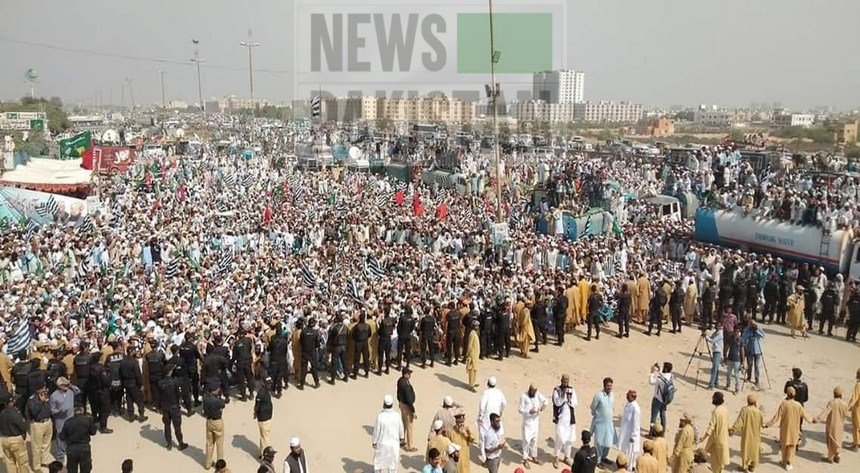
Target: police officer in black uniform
[
  {"x": 309, "y": 341},
  {"x": 170, "y": 393},
  {"x": 21, "y": 376},
  {"x": 77, "y": 433},
  {"x": 180, "y": 374},
  {"x": 338, "y": 336},
  {"x": 360, "y": 336},
  {"x": 215, "y": 365},
  {"x": 502, "y": 315},
  {"x": 405, "y": 327},
  {"x": 452, "y": 334},
  {"x": 221, "y": 349},
  {"x": 54, "y": 370},
  {"x": 485, "y": 332},
  {"x": 113, "y": 363},
  {"x": 383, "y": 352},
  {"x": 83, "y": 363},
  {"x": 132, "y": 383},
  {"x": 189, "y": 352},
  {"x": 426, "y": 336},
  {"x": 771, "y": 295},
  {"x": 100, "y": 384},
  {"x": 155, "y": 364},
  {"x": 278, "y": 347},
  {"x": 242, "y": 364},
  {"x": 853, "y": 316}
]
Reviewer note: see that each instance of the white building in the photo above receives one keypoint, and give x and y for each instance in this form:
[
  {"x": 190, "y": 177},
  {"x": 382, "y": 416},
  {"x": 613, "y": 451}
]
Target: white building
[
  {"x": 540, "y": 111},
  {"x": 562, "y": 86},
  {"x": 794, "y": 119},
  {"x": 719, "y": 118},
  {"x": 608, "y": 111}
]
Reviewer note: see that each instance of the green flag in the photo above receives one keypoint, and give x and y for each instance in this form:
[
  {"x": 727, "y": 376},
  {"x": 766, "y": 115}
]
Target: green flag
[
  {"x": 616, "y": 229},
  {"x": 75, "y": 146}
]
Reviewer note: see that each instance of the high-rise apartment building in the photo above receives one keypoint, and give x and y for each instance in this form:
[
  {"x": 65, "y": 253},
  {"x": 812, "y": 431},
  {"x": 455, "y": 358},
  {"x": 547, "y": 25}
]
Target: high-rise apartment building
[{"x": 562, "y": 86}]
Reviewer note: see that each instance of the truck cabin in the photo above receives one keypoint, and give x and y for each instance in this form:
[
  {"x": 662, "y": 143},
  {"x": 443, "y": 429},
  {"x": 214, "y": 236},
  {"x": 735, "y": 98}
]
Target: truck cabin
[{"x": 664, "y": 207}]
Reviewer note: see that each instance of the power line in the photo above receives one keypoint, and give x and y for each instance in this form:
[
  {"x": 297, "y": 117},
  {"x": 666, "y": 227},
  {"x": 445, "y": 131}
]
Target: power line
[{"x": 129, "y": 57}]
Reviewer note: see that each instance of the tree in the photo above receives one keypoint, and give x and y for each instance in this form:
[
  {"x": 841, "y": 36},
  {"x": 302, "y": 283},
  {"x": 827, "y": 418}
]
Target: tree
[{"x": 58, "y": 120}]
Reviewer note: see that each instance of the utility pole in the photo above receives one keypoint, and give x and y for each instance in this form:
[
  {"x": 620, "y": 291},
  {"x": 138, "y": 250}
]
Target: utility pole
[
  {"x": 130, "y": 92},
  {"x": 163, "y": 102},
  {"x": 250, "y": 45},
  {"x": 197, "y": 60},
  {"x": 494, "y": 58}
]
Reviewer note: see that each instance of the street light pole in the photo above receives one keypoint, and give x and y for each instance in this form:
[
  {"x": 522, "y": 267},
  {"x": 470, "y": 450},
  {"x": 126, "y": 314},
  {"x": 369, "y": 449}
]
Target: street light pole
[
  {"x": 250, "y": 46},
  {"x": 163, "y": 102},
  {"x": 197, "y": 60},
  {"x": 130, "y": 92},
  {"x": 494, "y": 56}
]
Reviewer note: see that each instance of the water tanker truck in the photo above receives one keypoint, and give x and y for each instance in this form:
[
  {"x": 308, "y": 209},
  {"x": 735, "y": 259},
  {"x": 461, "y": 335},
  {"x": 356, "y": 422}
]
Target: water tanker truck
[{"x": 836, "y": 252}]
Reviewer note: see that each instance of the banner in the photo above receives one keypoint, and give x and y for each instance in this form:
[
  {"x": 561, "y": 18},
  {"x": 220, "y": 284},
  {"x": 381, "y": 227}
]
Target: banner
[
  {"x": 25, "y": 203},
  {"x": 74, "y": 147}
]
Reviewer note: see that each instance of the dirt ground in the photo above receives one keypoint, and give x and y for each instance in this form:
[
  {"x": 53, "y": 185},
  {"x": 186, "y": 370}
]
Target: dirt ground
[{"x": 335, "y": 422}]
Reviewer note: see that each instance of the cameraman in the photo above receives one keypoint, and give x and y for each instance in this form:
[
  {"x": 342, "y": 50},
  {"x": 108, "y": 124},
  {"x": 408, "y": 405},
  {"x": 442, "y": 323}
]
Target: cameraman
[{"x": 751, "y": 340}]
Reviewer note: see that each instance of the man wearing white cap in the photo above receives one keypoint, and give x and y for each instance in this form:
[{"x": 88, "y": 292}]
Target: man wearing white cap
[
  {"x": 452, "y": 465},
  {"x": 446, "y": 415},
  {"x": 439, "y": 441},
  {"x": 388, "y": 436},
  {"x": 296, "y": 461},
  {"x": 492, "y": 402},
  {"x": 532, "y": 403}
]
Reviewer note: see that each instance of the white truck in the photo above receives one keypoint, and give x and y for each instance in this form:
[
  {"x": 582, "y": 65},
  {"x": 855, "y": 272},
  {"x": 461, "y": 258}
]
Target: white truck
[{"x": 835, "y": 252}]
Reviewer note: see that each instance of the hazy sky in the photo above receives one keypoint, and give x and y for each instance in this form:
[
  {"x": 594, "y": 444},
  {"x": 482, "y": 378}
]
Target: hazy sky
[{"x": 801, "y": 53}]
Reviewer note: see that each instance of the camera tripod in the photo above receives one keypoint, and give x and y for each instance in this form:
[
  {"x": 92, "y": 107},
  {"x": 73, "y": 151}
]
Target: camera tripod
[{"x": 698, "y": 351}]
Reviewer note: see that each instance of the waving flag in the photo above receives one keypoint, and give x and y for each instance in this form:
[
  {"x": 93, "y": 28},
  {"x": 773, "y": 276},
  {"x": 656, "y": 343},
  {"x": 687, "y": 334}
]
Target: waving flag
[
  {"x": 20, "y": 339},
  {"x": 42, "y": 210},
  {"x": 352, "y": 287},
  {"x": 587, "y": 229},
  {"x": 172, "y": 267},
  {"x": 316, "y": 107},
  {"x": 376, "y": 270},
  {"x": 308, "y": 276},
  {"x": 52, "y": 205},
  {"x": 225, "y": 262}
]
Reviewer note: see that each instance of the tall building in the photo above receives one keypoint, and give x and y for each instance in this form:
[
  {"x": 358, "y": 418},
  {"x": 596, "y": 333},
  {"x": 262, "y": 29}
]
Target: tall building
[
  {"x": 562, "y": 86},
  {"x": 607, "y": 111}
]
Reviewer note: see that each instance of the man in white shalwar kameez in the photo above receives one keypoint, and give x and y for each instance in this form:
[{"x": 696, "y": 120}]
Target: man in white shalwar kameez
[
  {"x": 492, "y": 402},
  {"x": 532, "y": 403},
  {"x": 388, "y": 435},
  {"x": 629, "y": 438},
  {"x": 564, "y": 403}
]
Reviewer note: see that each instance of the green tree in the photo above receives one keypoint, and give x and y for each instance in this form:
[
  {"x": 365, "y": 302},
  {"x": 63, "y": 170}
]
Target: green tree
[{"x": 58, "y": 120}]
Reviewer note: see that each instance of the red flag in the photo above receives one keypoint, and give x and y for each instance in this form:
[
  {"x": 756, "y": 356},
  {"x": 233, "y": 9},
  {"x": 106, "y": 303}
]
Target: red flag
[
  {"x": 399, "y": 197},
  {"x": 442, "y": 211},
  {"x": 267, "y": 215}
]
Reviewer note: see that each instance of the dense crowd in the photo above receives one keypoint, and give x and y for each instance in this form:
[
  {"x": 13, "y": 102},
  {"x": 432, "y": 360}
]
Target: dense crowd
[{"x": 225, "y": 271}]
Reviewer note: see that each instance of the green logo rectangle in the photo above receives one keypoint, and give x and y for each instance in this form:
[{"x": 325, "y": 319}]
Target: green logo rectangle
[{"x": 524, "y": 39}]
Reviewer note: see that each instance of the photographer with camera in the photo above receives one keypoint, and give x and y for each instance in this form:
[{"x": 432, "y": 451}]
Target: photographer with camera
[{"x": 751, "y": 341}]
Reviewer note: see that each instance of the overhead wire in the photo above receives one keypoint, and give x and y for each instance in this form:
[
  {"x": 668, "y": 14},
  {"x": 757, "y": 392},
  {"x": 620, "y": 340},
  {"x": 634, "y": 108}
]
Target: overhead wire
[{"x": 130, "y": 57}]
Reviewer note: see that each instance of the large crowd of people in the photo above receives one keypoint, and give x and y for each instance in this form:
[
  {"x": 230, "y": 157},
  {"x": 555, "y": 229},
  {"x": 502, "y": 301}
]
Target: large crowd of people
[{"x": 204, "y": 279}]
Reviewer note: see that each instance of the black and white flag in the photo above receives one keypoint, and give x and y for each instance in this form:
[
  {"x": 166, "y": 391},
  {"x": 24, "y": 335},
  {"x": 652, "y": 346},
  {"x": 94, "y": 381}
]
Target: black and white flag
[
  {"x": 374, "y": 268},
  {"x": 52, "y": 205},
  {"x": 354, "y": 294},
  {"x": 172, "y": 267},
  {"x": 316, "y": 107},
  {"x": 308, "y": 277}
]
